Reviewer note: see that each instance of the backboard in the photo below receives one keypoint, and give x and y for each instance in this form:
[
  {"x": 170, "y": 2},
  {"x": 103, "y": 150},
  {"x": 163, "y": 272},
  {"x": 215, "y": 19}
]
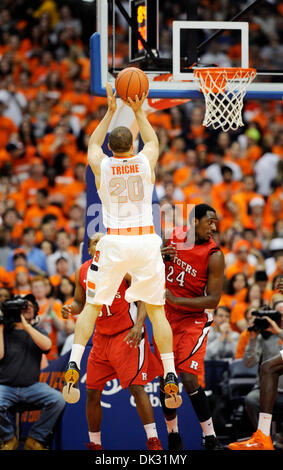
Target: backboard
[{"x": 134, "y": 32}]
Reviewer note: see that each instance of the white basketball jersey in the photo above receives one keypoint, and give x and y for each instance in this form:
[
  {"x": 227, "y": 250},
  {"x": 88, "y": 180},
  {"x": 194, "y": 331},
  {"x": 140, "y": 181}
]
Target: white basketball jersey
[{"x": 126, "y": 191}]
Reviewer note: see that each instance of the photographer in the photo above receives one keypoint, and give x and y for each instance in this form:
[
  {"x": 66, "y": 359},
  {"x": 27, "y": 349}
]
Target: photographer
[
  {"x": 264, "y": 347},
  {"x": 264, "y": 343},
  {"x": 22, "y": 343}
]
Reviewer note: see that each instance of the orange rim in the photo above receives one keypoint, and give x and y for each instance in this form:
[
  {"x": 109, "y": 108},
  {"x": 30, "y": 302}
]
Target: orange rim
[{"x": 215, "y": 78}]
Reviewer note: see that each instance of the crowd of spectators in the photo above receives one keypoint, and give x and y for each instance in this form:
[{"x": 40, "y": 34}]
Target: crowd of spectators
[{"x": 47, "y": 114}]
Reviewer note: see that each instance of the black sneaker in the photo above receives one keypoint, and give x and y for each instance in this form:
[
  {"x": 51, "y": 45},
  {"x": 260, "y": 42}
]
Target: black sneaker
[
  {"x": 171, "y": 389},
  {"x": 175, "y": 441},
  {"x": 211, "y": 443},
  {"x": 71, "y": 391}
]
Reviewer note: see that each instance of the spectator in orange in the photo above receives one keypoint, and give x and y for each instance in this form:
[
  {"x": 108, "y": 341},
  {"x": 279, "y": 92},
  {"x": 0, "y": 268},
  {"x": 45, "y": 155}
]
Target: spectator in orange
[
  {"x": 197, "y": 132},
  {"x": 34, "y": 182},
  {"x": 6, "y": 279},
  {"x": 25, "y": 87},
  {"x": 63, "y": 244},
  {"x": 273, "y": 212},
  {"x": 62, "y": 270},
  {"x": 22, "y": 281},
  {"x": 245, "y": 335},
  {"x": 81, "y": 103},
  {"x": 244, "y": 196},
  {"x": 49, "y": 313},
  {"x": 236, "y": 290},
  {"x": 59, "y": 141},
  {"x": 253, "y": 136},
  {"x": 175, "y": 156},
  {"x": 46, "y": 64},
  {"x": 13, "y": 222},
  {"x": 223, "y": 191},
  {"x": 242, "y": 248},
  {"x": 182, "y": 176},
  {"x": 7, "y": 126},
  {"x": 253, "y": 299},
  {"x": 279, "y": 267},
  {"x": 261, "y": 279},
  {"x": 192, "y": 190},
  {"x": 34, "y": 215},
  {"x": 72, "y": 193}
]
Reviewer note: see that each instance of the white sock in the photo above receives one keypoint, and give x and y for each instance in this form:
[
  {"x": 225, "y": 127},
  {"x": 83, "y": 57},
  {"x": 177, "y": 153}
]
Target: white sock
[
  {"x": 264, "y": 423},
  {"x": 77, "y": 354},
  {"x": 95, "y": 437},
  {"x": 168, "y": 363},
  {"x": 207, "y": 428},
  {"x": 172, "y": 425},
  {"x": 150, "y": 430}
]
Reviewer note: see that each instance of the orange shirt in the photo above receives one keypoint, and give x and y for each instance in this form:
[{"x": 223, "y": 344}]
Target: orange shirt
[
  {"x": 181, "y": 175},
  {"x": 47, "y": 324},
  {"x": 34, "y": 215},
  {"x": 243, "y": 340},
  {"x": 239, "y": 267},
  {"x": 29, "y": 188},
  {"x": 6, "y": 278},
  {"x": 45, "y": 147},
  {"x": 238, "y": 313}
]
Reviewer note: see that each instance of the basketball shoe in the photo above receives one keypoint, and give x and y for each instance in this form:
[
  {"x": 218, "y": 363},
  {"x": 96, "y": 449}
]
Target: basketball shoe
[
  {"x": 174, "y": 441},
  {"x": 172, "y": 398},
  {"x": 258, "y": 441},
  {"x": 154, "y": 443},
  {"x": 211, "y": 443},
  {"x": 71, "y": 391},
  {"x": 93, "y": 446}
]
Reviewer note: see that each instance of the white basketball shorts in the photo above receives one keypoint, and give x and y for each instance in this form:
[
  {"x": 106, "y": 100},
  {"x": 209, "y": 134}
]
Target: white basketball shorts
[{"x": 137, "y": 255}]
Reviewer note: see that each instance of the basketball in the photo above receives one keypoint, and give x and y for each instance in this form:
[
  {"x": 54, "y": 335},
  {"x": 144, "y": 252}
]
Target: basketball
[{"x": 131, "y": 82}]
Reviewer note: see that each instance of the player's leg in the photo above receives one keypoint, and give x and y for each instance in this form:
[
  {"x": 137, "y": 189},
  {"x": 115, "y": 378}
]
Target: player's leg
[
  {"x": 83, "y": 330},
  {"x": 146, "y": 415},
  {"x": 94, "y": 418},
  {"x": 171, "y": 420},
  {"x": 163, "y": 338},
  {"x": 270, "y": 372},
  {"x": 201, "y": 407}
]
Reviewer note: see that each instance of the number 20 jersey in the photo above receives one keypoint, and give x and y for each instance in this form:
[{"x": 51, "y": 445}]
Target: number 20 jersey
[
  {"x": 187, "y": 273},
  {"x": 126, "y": 191},
  {"x": 120, "y": 316}
]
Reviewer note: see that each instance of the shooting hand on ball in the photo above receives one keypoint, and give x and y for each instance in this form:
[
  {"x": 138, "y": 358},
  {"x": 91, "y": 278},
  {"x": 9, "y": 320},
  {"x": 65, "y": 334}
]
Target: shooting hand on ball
[{"x": 137, "y": 104}]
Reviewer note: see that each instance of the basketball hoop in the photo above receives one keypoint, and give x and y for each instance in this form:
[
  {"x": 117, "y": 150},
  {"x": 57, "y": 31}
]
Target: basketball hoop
[{"x": 224, "y": 90}]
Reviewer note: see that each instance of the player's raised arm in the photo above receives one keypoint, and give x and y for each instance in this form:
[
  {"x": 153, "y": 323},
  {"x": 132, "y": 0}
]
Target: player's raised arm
[
  {"x": 148, "y": 135},
  {"x": 95, "y": 153}
]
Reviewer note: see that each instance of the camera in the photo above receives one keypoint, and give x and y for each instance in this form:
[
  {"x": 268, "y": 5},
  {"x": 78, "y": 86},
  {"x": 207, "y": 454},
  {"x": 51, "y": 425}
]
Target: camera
[
  {"x": 11, "y": 310},
  {"x": 260, "y": 323}
]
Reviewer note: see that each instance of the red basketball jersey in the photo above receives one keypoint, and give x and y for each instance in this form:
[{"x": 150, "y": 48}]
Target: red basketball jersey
[
  {"x": 186, "y": 274},
  {"x": 120, "y": 316}
]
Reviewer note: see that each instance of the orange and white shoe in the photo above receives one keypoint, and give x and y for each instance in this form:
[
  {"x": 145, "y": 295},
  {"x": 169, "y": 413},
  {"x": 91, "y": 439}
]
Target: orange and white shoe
[{"x": 258, "y": 441}]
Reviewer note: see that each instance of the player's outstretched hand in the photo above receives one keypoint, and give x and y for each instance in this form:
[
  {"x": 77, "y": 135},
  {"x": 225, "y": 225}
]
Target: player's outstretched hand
[{"x": 111, "y": 98}]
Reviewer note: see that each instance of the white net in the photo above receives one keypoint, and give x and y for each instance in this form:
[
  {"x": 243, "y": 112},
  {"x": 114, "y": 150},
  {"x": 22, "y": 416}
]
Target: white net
[{"x": 224, "y": 91}]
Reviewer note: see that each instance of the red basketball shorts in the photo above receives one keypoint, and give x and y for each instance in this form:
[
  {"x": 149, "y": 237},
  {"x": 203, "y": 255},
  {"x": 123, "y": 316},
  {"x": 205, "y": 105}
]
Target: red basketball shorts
[
  {"x": 189, "y": 341},
  {"x": 111, "y": 357}
]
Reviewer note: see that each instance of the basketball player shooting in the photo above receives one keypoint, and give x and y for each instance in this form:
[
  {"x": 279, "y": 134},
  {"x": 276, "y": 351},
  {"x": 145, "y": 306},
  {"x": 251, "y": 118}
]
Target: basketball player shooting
[{"x": 125, "y": 185}]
